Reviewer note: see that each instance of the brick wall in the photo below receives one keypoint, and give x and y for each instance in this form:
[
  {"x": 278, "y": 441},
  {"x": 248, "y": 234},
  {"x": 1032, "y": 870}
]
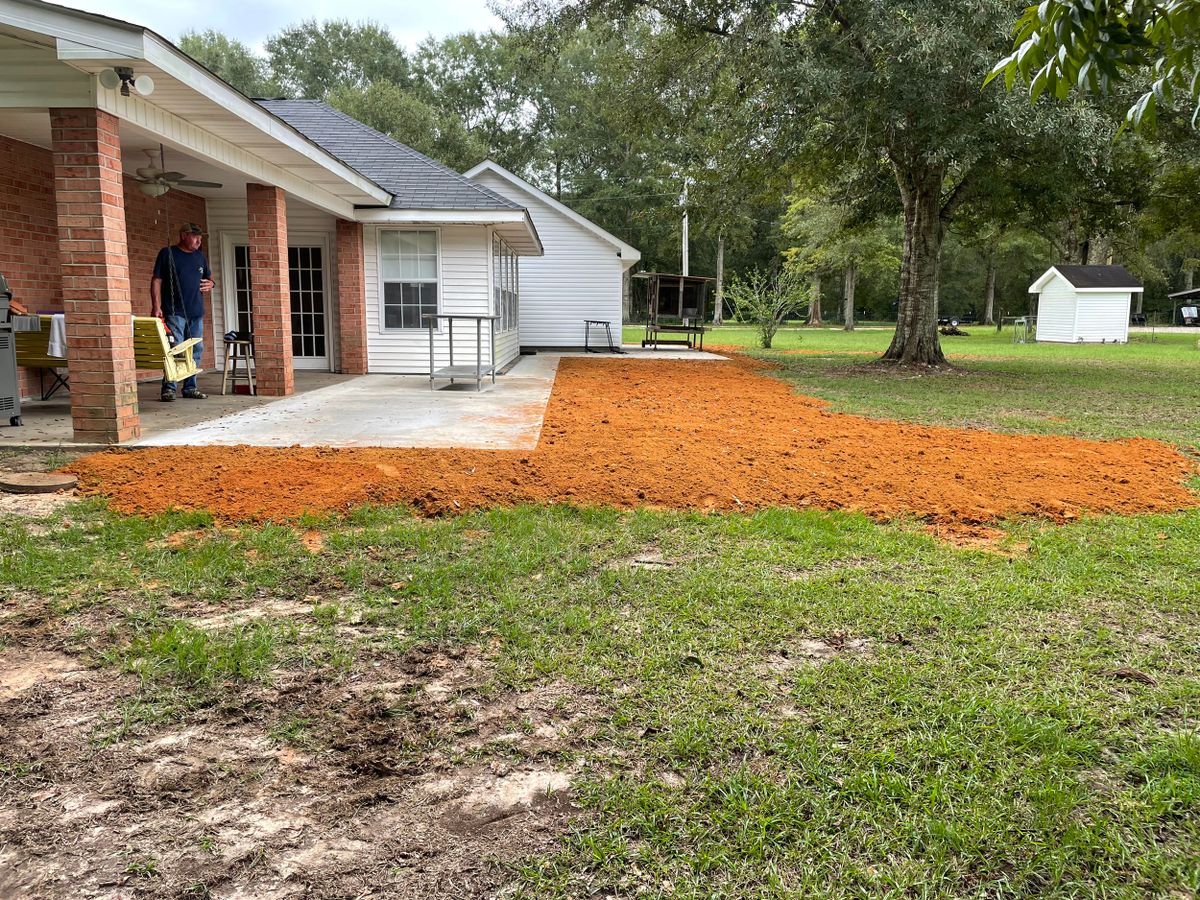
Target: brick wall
[
  {"x": 29, "y": 237},
  {"x": 266, "y": 220},
  {"x": 351, "y": 298}
]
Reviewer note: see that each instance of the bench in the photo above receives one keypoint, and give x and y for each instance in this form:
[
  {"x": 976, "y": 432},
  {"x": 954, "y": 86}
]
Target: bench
[
  {"x": 694, "y": 336},
  {"x": 150, "y": 351}
]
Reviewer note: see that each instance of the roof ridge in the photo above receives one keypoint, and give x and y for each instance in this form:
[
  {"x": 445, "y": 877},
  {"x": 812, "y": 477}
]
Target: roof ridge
[{"x": 430, "y": 161}]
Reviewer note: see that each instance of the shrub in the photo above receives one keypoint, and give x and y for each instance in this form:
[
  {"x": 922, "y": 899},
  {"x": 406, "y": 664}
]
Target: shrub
[{"x": 765, "y": 299}]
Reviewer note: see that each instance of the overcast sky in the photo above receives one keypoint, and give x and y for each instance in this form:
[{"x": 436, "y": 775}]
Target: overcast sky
[{"x": 252, "y": 21}]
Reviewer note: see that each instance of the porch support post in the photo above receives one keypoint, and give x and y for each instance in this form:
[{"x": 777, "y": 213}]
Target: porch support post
[
  {"x": 94, "y": 258},
  {"x": 266, "y": 226},
  {"x": 351, "y": 298}
]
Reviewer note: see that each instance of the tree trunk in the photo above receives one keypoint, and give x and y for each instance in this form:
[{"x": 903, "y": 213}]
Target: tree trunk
[
  {"x": 719, "y": 304},
  {"x": 1189, "y": 275},
  {"x": 814, "y": 303},
  {"x": 848, "y": 284},
  {"x": 989, "y": 293},
  {"x": 916, "y": 339},
  {"x": 558, "y": 178}
]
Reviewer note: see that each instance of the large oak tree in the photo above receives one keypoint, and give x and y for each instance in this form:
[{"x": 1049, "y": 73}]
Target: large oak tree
[{"x": 865, "y": 90}]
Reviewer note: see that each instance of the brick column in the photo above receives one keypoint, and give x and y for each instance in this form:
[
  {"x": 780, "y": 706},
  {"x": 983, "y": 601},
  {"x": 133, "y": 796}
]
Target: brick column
[
  {"x": 266, "y": 224},
  {"x": 89, "y": 195},
  {"x": 352, "y": 299}
]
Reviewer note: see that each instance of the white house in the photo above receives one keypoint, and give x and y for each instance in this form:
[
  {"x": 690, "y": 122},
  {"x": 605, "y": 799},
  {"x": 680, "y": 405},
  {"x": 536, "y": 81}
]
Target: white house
[
  {"x": 445, "y": 244},
  {"x": 1084, "y": 304},
  {"x": 329, "y": 241},
  {"x": 581, "y": 276}
]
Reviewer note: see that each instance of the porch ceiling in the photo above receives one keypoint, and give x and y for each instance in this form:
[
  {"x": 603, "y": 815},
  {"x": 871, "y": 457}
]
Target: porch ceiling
[{"x": 51, "y": 56}]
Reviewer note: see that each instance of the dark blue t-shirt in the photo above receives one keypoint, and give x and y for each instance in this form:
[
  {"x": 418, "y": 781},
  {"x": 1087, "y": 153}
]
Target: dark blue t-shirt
[{"x": 181, "y": 290}]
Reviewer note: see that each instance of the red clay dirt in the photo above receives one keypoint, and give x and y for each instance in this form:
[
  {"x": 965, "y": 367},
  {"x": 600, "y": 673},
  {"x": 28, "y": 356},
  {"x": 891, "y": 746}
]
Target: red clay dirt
[{"x": 674, "y": 434}]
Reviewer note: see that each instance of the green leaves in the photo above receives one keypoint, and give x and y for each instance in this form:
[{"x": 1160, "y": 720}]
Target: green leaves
[{"x": 1063, "y": 45}]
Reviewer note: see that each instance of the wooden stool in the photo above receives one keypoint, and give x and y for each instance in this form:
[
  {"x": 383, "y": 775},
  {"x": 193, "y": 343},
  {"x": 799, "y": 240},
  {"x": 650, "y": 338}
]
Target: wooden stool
[{"x": 235, "y": 350}]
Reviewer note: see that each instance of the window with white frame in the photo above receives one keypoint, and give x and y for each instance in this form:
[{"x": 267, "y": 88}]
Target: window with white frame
[
  {"x": 409, "y": 275},
  {"x": 505, "y": 293}
]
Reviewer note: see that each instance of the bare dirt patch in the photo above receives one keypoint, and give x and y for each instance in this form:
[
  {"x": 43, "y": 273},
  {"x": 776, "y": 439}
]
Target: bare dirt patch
[
  {"x": 412, "y": 776},
  {"x": 21, "y": 670},
  {"x": 809, "y": 652},
  {"x": 34, "y": 506},
  {"x": 676, "y": 434}
]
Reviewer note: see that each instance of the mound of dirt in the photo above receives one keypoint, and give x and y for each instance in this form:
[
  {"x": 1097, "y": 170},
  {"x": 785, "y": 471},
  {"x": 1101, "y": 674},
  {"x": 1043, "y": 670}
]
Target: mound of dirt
[{"x": 675, "y": 434}]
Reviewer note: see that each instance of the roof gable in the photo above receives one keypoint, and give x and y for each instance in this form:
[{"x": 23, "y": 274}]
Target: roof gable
[
  {"x": 629, "y": 254},
  {"x": 414, "y": 180},
  {"x": 1090, "y": 278}
]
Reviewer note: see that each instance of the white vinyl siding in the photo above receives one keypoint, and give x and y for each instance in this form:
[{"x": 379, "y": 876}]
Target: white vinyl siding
[
  {"x": 580, "y": 276},
  {"x": 464, "y": 253},
  {"x": 228, "y": 217},
  {"x": 1065, "y": 315},
  {"x": 1103, "y": 317},
  {"x": 1056, "y": 311}
]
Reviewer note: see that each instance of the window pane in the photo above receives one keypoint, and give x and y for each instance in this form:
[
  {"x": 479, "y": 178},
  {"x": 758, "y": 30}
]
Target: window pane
[
  {"x": 389, "y": 244},
  {"x": 391, "y": 317},
  {"x": 427, "y": 243},
  {"x": 408, "y": 243}
]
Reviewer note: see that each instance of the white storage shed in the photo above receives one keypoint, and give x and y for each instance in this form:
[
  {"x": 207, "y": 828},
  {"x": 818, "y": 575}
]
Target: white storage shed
[
  {"x": 581, "y": 276},
  {"x": 1084, "y": 304}
]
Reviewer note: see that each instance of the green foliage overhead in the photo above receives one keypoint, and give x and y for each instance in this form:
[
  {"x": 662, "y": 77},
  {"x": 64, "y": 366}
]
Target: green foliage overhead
[
  {"x": 391, "y": 109},
  {"x": 1066, "y": 45}
]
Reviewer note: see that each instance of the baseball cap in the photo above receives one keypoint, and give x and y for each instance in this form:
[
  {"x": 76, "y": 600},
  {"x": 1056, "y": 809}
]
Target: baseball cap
[{"x": 190, "y": 228}]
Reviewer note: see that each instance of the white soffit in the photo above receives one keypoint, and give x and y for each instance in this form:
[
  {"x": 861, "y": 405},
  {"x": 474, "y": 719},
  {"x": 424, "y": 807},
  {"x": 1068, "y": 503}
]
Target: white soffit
[{"x": 514, "y": 225}]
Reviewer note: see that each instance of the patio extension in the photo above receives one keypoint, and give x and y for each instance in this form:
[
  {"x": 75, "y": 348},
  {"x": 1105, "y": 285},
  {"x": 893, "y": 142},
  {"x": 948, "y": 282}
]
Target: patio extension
[{"x": 680, "y": 434}]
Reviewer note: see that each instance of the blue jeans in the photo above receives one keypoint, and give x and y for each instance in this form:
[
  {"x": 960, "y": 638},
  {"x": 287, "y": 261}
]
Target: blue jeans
[{"x": 184, "y": 328}]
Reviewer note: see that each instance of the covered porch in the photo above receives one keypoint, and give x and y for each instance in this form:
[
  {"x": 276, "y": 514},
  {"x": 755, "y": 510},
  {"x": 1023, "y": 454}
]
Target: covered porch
[{"x": 90, "y": 199}]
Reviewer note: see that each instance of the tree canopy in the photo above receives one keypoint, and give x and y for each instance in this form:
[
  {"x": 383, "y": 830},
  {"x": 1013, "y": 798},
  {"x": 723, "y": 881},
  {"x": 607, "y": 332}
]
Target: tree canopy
[{"x": 1064, "y": 45}]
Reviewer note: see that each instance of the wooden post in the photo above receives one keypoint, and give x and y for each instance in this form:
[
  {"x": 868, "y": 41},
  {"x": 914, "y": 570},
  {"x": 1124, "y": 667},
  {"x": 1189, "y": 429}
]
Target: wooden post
[{"x": 719, "y": 306}]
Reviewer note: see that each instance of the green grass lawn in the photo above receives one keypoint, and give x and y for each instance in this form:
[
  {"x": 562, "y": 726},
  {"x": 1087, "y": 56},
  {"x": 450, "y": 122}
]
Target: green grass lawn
[
  {"x": 1146, "y": 388},
  {"x": 772, "y": 705},
  {"x": 969, "y": 733}
]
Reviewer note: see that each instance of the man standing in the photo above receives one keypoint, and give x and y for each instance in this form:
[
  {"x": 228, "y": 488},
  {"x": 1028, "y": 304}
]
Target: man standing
[{"x": 181, "y": 279}]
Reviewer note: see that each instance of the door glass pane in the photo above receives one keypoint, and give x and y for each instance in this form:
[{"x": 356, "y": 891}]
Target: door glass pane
[{"x": 307, "y": 300}]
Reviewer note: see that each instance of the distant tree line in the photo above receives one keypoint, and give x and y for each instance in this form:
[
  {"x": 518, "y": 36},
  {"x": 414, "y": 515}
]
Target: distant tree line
[{"x": 852, "y": 142}]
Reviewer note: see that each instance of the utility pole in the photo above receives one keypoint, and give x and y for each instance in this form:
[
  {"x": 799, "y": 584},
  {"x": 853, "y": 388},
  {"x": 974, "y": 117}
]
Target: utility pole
[{"x": 683, "y": 202}]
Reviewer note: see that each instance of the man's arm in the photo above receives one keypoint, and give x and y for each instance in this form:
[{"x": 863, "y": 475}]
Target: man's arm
[{"x": 156, "y": 297}]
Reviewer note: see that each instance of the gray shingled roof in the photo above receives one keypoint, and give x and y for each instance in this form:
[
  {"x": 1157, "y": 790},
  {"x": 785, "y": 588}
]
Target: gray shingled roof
[
  {"x": 1098, "y": 276},
  {"x": 414, "y": 180}
]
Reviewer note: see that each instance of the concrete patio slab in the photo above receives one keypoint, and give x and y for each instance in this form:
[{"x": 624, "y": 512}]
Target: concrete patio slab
[
  {"x": 48, "y": 422},
  {"x": 391, "y": 411}
]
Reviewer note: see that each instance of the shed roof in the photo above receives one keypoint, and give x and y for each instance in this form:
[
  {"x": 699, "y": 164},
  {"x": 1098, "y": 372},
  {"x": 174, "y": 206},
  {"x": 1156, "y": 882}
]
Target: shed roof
[
  {"x": 1090, "y": 278},
  {"x": 414, "y": 180}
]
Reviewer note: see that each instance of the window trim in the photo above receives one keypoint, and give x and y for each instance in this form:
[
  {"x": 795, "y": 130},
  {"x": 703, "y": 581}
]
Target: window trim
[
  {"x": 497, "y": 267},
  {"x": 379, "y": 280}
]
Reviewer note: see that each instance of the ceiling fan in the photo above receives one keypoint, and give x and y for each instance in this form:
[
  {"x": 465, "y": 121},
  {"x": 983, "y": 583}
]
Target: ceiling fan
[{"x": 156, "y": 181}]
